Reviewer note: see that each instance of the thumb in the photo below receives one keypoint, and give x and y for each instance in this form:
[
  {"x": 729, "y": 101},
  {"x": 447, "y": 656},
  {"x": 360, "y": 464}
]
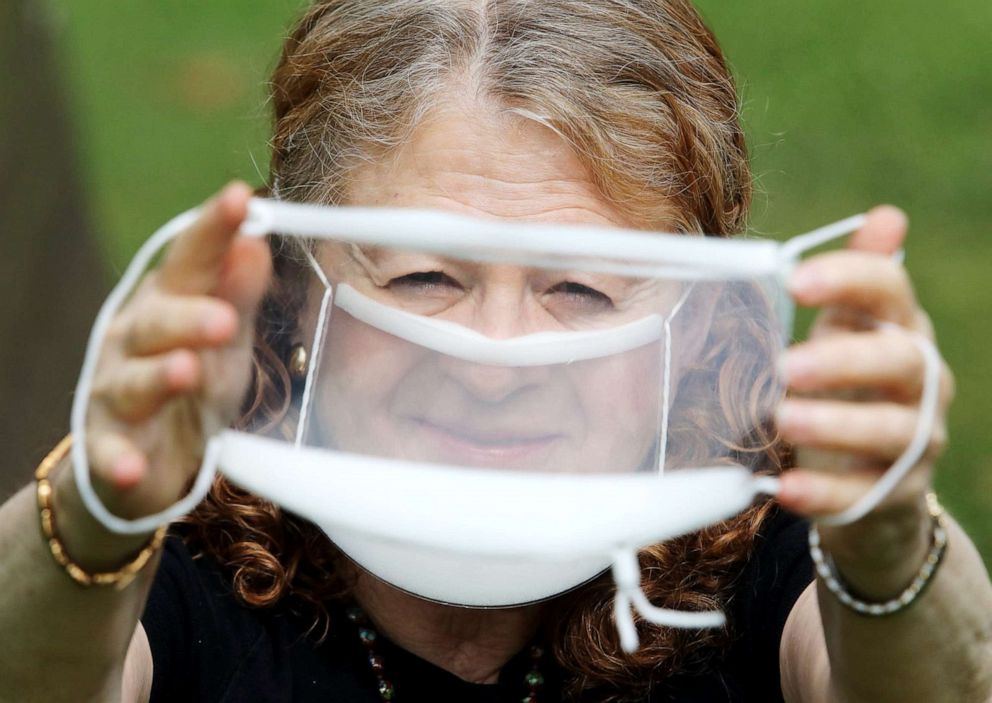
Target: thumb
[
  {"x": 245, "y": 274},
  {"x": 883, "y": 233},
  {"x": 194, "y": 262}
]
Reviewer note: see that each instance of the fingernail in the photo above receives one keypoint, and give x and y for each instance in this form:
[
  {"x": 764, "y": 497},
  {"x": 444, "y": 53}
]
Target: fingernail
[
  {"x": 127, "y": 470},
  {"x": 795, "y": 366},
  {"x": 782, "y": 413},
  {"x": 180, "y": 369},
  {"x": 217, "y": 325},
  {"x": 789, "y": 418},
  {"x": 796, "y": 421},
  {"x": 789, "y": 487},
  {"x": 800, "y": 490},
  {"x": 805, "y": 279}
]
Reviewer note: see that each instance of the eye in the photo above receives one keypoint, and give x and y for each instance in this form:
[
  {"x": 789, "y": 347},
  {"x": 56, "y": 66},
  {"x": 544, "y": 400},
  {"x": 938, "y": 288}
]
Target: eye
[
  {"x": 580, "y": 294},
  {"x": 424, "y": 281}
]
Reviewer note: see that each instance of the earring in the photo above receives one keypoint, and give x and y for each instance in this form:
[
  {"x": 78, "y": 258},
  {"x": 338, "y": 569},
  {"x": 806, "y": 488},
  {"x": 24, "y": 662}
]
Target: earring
[{"x": 297, "y": 363}]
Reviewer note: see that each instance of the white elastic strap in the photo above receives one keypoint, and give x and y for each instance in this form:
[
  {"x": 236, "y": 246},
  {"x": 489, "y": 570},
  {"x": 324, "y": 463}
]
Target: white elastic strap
[
  {"x": 585, "y": 247},
  {"x": 539, "y": 349},
  {"x": 927, "y": 416},
  {"x": 801, "y": 243},
  {"x": 769, "y": 485},
  {"x": 84, "y": 387},
  {"x": 627, "y": 577},
  {"x": 791, "y": 251}
]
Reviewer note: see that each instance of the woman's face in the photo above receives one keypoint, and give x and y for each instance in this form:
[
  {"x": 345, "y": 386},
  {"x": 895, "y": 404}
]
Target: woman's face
[{"x": 381, "y": 395}]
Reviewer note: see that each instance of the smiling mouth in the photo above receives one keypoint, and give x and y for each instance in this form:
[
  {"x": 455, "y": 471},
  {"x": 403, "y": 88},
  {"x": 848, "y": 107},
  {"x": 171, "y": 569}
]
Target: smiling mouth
[{"x": 489, "y": 448}]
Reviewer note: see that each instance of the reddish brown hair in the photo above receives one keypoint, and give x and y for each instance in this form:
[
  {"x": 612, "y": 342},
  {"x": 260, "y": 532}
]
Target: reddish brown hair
[{"x": 641, "y": 91}]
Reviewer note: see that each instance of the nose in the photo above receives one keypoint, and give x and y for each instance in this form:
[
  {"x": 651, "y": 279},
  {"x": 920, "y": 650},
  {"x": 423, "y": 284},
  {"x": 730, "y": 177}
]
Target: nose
[
  {"x": 501, "y": 310},
  {"x": 498, "y": 312},
  {"x": 492, "y": 384}
]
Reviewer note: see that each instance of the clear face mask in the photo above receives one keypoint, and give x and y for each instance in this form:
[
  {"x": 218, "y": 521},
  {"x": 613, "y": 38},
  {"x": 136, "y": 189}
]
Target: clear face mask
[{"x": 494, "y": 413}]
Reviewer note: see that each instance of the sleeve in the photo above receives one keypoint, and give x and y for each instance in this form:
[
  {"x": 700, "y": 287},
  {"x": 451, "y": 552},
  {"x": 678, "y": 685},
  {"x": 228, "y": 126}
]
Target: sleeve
[{"x": 777, "y": 574}]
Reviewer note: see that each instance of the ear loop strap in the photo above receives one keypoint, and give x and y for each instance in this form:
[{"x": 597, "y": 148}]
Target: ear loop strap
[
  {"x": 80, "y": 403},
  {"x": 930, "y": 397},
  {"x": 261, "y": 220},
  {"x": 929, "y": 402}
]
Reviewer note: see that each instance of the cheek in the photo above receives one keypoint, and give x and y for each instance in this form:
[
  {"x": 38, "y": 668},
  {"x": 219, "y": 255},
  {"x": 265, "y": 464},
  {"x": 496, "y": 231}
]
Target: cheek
[
  {"x": 609, "y": 407},
  {"x": 622, "y": 390},
  {"x": 361, "y": 370},
  {"x": 620, "y": 399}
]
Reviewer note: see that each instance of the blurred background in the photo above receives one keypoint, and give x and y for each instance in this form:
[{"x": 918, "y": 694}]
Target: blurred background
[{"x": 116, "y": 115}]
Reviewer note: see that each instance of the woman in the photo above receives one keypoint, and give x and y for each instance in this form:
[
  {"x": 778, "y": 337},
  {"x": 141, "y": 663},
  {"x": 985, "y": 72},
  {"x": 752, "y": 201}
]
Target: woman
[{"x": 617, "y": 113}]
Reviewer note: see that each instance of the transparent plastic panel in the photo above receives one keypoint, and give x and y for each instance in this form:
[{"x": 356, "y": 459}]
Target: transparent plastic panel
[{"x": 514, "y": 366}]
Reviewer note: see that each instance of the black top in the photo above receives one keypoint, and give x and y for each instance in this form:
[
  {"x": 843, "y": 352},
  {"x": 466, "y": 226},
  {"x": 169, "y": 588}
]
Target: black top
[{"x": 207, "y": 647}]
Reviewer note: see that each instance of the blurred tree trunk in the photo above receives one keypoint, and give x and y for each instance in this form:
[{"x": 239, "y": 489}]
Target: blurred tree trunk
[{"x": 51, "y": 277}]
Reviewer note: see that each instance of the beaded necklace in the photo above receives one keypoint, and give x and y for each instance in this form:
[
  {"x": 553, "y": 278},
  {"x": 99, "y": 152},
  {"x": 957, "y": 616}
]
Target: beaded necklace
[{"x": 368, "y": 636}]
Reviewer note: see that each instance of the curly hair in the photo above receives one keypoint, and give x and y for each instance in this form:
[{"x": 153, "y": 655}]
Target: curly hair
[{"x": 642, "y": 93}]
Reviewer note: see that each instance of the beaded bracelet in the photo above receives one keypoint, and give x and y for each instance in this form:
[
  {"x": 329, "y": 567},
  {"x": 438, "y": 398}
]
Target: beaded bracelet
[
  {"x": 118, "y": 579},
  {"x": 827, "y": 570}
]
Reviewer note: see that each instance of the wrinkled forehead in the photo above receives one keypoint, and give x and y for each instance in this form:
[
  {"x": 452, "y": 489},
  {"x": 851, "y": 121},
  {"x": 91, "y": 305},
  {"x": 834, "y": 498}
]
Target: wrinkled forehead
[{"x": 476, "y": 159}]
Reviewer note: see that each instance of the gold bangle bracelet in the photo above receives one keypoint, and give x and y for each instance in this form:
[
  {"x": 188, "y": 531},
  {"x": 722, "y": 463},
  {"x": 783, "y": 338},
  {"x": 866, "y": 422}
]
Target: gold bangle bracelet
[{"x": 118, "y": 579}]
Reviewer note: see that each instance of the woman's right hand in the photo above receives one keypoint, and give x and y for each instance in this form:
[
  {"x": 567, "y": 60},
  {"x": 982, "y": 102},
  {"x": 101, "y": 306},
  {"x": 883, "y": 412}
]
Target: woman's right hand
[{"x": 176, "y": 361}]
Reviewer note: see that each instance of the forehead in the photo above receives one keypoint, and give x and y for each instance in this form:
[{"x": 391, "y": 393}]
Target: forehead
[{"x": 481, "y": 161}]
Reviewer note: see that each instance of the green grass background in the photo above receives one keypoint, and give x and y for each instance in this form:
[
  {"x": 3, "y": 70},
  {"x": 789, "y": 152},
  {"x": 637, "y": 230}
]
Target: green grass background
[{"x": 847, "y": 104}]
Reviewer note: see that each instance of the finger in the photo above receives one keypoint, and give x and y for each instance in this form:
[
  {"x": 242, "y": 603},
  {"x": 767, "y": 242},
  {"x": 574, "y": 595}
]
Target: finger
[
  {"x": 878, "y": 360},
  {"x": 196, "y": 258},
  {"x": 140, "y": 386},
  {"x": 883, "y": 232},
  {"x": 114, "y": 460},
  {"x": 169, "y": 322},
  {"x": 245, "y": 276},
  {"x": 881, "y": 431},
  {"x": 833, "y": 320},
  {"x": 816, "y": 494},
  {"x": 881, "y": 361},
  {"x": 867, "y": 283}
]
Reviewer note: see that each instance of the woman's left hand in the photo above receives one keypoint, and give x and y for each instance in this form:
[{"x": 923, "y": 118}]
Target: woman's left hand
[{"x": 854, "y": 403}]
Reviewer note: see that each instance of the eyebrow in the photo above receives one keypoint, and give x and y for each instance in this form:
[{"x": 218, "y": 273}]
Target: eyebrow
[
  {"x": 371, "y": 257},
  {"x": 375, "y": 255}
]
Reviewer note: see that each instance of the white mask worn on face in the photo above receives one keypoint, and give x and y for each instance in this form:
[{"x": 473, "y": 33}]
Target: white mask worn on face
[{"x": 495, "y": 413}]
